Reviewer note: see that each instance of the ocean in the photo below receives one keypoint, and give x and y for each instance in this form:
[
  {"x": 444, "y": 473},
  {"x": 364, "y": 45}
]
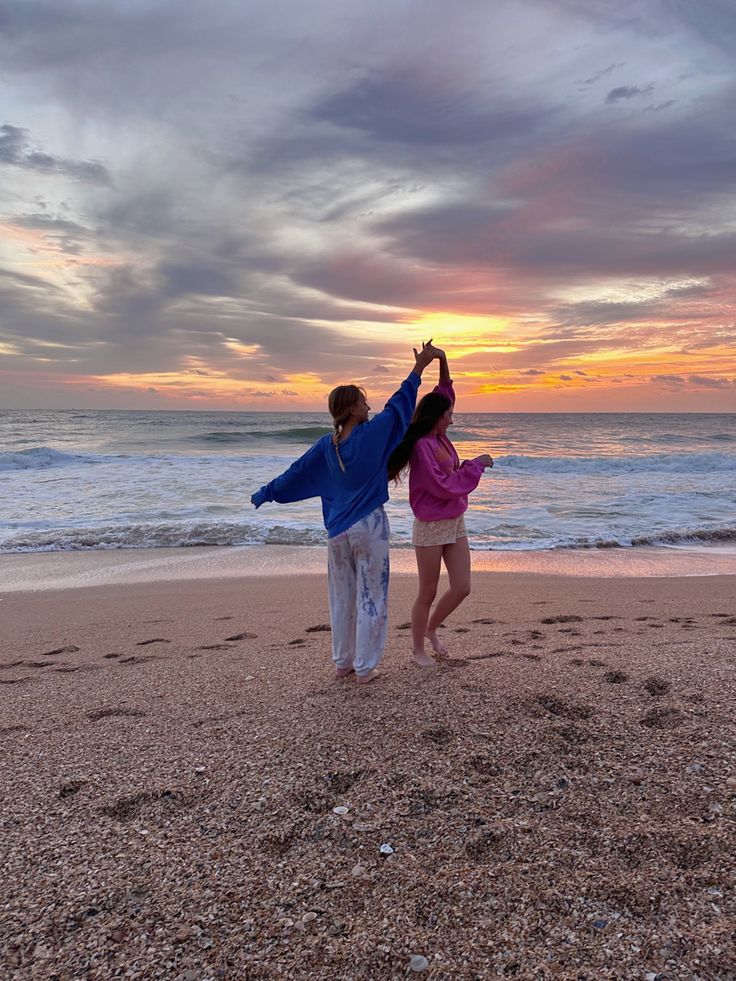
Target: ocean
[{"x": 111, "y": 479}]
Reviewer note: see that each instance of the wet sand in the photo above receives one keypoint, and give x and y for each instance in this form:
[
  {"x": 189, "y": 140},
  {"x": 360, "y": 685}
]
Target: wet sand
[
  {"x": 64, "y": 570},
  {"x": 558, "y": 795}
]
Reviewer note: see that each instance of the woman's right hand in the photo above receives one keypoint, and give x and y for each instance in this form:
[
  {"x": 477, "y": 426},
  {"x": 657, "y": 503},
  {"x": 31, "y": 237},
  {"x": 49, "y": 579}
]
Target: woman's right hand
[
  {"x": 486, "y": 460},
  {"x": 425, "y": 356}
]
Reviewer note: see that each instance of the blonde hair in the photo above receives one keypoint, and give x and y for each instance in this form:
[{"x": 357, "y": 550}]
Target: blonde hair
[{"x": 340, "y": 401}]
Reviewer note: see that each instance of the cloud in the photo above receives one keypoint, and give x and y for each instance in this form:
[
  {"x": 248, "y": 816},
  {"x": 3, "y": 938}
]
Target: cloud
[
  {"x": 313, "y": 185},
  {"x": 627, "y": 92},
  {"x": 703, "y": 382},
  {"x": 16, "y": 151}
]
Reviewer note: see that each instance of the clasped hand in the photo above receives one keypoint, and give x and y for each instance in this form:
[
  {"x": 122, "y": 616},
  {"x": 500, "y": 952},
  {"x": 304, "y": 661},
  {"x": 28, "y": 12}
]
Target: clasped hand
[{"x": 428, "y": 353}]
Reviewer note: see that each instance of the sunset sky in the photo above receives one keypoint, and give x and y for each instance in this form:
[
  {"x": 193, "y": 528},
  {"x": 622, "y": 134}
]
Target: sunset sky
[{"x": 238, "y": 205}]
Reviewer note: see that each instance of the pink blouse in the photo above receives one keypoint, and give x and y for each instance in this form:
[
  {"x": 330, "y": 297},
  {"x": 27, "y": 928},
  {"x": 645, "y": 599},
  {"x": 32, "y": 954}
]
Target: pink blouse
[{"x": 439, "y": 490}]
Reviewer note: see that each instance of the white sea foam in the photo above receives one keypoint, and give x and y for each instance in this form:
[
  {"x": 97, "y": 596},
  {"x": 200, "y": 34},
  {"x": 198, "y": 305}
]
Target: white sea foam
[{"x": 111, "y": 480}]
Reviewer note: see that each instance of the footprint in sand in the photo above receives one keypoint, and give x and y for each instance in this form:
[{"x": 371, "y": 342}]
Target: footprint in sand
[
  {"x": 483, "y": 766},
  {"x": 134, "y": 659},
  {"x": 485, "y": 657},
  {"x": 560, "y": 707},
  {"x": 37, "y": 664},
  {"x": 245, "y": 635},
  {"x": 7, "y": 730},
  {"x": 127, "y": 808},
  {"x": 214, "y": 647},
  {"x": 341, "y": 781},
  {"x": 615, "y": 677},
  {"x": 563, "y": 618},
  {"x": 594, "y": 662},
  {"x": 109, "y": 713},
  {"x": 319, "y": 628},
  {"x": 662, "y": 717},
  {"x": 224, "y": 618},
  {"x": 153, "y": 640},
  {"x": 70, "y": 788},
  {"x": 657, "y": 686},
  {"x": 70, "y": 649},
  {"x": 25, "y": 680},
  {"x": 298, "y": 642},
  {"x": 438, "y": 735},
  {"x": 462, "y": 630},
  {"x": 110, "y": 656}
]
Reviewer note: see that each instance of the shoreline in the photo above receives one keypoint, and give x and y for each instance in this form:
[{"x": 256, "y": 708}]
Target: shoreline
[{"x": 41, "y": 571}]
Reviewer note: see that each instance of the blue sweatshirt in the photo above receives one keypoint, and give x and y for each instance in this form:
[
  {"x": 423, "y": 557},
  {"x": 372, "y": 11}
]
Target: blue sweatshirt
[{"x": 347, "y": 497}]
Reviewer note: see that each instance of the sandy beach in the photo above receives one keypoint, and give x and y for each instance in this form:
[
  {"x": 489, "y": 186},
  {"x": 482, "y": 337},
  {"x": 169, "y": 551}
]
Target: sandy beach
[{"x": 557, "y": 797}]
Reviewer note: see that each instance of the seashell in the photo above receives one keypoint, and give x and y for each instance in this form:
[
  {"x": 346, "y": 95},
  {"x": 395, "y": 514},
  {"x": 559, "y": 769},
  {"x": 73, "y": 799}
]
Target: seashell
[
  {"x": 386, "y": 849},
  {"x": 418, "y": 963},
  {"x": 340, "y": 810}
]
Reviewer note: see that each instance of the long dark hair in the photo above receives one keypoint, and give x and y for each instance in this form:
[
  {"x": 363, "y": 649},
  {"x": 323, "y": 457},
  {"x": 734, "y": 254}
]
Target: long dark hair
[{"x": 428, "y": 411}]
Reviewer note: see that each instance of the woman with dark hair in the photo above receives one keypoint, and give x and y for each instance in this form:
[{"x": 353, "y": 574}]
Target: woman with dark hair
[
  {"x": 347, "y": 469},
  {"x": 438, "y": 493}
]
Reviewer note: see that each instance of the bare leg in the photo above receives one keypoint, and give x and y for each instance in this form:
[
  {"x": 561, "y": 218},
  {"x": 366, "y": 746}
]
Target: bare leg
[
  {"x": 457, "y": 562},
  {"x": 429, "y": 561}
]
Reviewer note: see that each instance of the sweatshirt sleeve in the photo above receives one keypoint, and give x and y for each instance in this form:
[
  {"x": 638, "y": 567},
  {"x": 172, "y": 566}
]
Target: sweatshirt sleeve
[
  {"x": 441, "y": 483},
  {"x": 446, "y": 388},
  {"x": 303, "y": 479},
  {"x": 391, "y": 423}
]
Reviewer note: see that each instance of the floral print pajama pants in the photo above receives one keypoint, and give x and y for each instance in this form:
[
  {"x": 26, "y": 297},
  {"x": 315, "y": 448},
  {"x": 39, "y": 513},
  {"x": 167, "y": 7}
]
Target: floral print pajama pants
[{"x": 357, "y": 576}]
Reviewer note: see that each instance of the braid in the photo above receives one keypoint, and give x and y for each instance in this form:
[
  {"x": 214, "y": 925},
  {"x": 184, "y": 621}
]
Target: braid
[
  {"x": 340, "y": 402},
  {"x": 339, "y": 423}
]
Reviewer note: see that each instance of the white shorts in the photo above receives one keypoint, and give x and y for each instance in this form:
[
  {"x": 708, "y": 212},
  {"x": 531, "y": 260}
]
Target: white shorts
[{"x": 444, "y": 532}]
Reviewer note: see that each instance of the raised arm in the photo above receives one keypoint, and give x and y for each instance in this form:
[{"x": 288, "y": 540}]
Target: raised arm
[
  {"x": 444, "y": 369},
  {"x": 444, "y": 385},
  {"x": 425, "y": 356}
]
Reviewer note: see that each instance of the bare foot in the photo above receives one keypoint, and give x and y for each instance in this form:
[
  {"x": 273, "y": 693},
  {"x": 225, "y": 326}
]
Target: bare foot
[
  {"x": 365, "y": 679},
  {"x": 437, "y": 646},
  {"x": 423, "y": 659},
  {"x": 344, "y": 672}
]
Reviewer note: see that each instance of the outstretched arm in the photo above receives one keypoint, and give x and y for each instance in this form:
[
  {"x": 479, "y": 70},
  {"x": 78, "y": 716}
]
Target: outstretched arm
[{"x": 302, "y": 480}]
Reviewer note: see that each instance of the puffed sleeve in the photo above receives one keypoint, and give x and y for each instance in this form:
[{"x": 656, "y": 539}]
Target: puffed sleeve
[
  {"x": 441, "y": 483},
  {"x": 302, "y": 480}
]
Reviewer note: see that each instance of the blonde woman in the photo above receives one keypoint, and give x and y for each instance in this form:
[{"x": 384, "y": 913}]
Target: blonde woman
[{"x": 347, "y": 470}]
